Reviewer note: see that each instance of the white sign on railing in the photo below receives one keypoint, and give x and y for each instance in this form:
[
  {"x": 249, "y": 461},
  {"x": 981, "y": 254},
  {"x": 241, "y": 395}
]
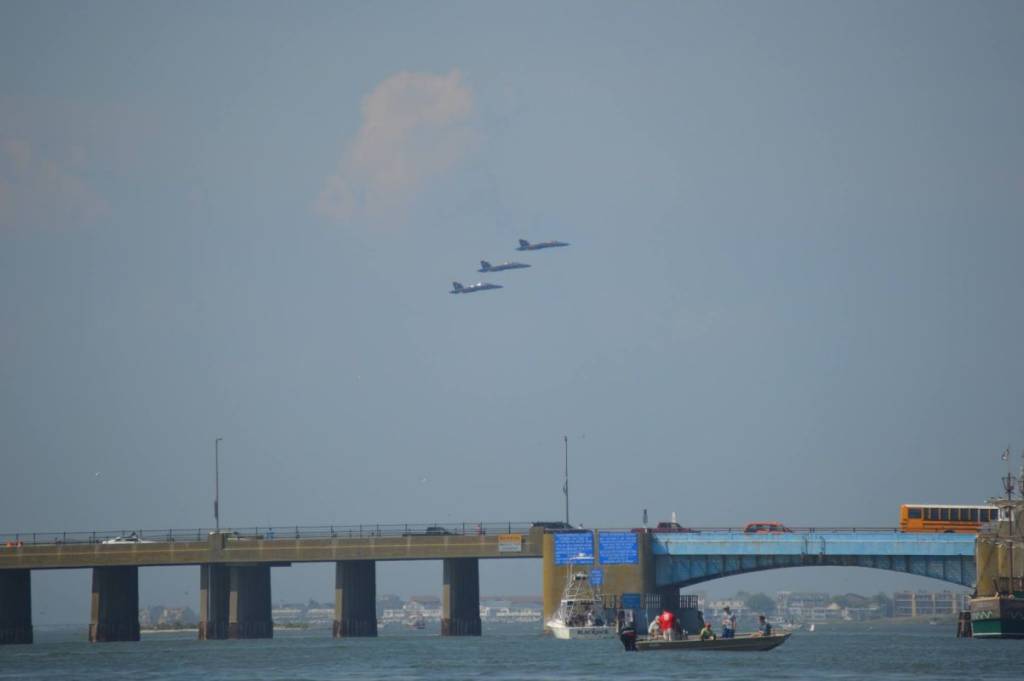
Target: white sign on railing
[{"x": 510, "y": 543}]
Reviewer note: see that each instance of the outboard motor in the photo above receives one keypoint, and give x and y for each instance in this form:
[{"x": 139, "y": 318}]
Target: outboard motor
[{"x": 628, "y": 636}]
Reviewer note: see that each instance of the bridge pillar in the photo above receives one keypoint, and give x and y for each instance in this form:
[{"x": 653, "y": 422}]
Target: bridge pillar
[
  {"x": 460, "y": 602},
  {"x": 249, "y": 610},
  {"x": 114, "y": 613},
  {"x": 15, "y": 606},
  {"x": 355, "y": 598},
  {"x": 214, "y": 601}
]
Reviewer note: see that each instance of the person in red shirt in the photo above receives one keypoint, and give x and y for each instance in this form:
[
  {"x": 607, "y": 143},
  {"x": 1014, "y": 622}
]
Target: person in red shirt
[{"x": 667, "y": 622}]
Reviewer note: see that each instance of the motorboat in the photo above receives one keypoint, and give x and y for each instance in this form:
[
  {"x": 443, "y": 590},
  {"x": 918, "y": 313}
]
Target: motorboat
[
  {"x": 580, "y": 613},
  {"x": 738, "y": 642}
]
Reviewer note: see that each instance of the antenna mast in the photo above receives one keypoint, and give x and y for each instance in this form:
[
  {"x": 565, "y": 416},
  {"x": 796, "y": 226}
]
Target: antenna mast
[
  {"x": 1008, "y": 485},
  {"x": 565, "y": 487}
]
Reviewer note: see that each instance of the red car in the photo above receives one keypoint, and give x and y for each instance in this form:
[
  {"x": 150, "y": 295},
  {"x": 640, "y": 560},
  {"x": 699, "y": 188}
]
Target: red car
[{"x": 769, "y": 527}]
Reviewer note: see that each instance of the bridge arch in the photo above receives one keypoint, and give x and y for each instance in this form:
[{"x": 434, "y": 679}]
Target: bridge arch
[
  {"x": 685, "y": 571},
  {"x": 686, "y": 559}
]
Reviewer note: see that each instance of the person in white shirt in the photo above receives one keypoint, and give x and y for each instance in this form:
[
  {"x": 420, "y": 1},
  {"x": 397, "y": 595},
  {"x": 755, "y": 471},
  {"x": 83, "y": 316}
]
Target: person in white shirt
[{"x": 728, "y": 623}]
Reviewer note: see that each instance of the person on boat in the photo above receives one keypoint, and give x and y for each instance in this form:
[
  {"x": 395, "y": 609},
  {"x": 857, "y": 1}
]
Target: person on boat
[
  {"x": 706, "y": 634},
  {"x": 654, "y": 629},
  {"x": 728, "y": 623},
  {"x": 667, "y": 621},
  {"x": 763, "y": 627}
]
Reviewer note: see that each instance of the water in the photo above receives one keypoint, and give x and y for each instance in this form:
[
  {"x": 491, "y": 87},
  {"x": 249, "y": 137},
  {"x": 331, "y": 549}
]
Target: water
[{"x": 505, "y": 652}]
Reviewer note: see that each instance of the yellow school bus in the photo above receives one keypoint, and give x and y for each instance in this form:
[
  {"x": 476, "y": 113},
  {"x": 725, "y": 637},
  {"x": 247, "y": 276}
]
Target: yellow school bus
[{"x": 945, "y": 517}]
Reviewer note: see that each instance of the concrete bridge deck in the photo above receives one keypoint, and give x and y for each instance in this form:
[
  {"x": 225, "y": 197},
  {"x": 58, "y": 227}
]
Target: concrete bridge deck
[
  {"x": 278, "y": 546},
  {"x": 228, "y": 548}
]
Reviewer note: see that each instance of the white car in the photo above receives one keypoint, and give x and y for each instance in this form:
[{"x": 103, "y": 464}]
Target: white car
[{"x": 127, "y": 539}]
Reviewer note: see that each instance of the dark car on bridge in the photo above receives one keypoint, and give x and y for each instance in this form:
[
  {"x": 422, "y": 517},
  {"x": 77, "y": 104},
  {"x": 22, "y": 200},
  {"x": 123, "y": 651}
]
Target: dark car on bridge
[
  {"x": 770, "y": 527},
  {"x": 433, "y": 530},
  {"x": 553, "y": 525}
]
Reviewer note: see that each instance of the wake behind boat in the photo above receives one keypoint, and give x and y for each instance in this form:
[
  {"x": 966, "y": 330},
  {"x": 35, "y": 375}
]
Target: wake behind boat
[{"x": 738, "y": 642}]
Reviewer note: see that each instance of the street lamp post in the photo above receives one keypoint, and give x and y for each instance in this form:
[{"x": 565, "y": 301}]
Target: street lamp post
[{"x": 216, "y": 482}]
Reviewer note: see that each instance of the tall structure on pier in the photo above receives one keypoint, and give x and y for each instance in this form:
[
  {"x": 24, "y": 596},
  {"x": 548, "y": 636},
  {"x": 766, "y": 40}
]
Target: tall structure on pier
[{"x": 997, "y": 610}]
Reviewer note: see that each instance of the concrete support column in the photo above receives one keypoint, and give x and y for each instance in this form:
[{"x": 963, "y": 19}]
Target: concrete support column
[
  {"x": 249, "y": 608},
  {"x": 15, "y": 606},
  {"x": 460, "y": 603},
  {"x": 355, "y": 598},
  {"x": 214, "y": 592},
  {"x": 114, "y": 615}
]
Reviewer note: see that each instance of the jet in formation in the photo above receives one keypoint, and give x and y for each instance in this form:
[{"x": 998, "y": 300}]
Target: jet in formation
[
  {"x": 525, "y": 245},
  {"x": 488, "y": 267},
  {"x": 472, "y": 288}
]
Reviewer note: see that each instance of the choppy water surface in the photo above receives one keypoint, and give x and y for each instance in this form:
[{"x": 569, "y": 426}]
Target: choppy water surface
[{"x": 512, "y": 652}]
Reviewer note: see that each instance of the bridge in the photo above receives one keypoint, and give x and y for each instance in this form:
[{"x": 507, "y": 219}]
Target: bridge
[
  {"x": 688, "y": 559},
  {"x": 235, "y": 586},
  {"x": 651, "y": 567}
]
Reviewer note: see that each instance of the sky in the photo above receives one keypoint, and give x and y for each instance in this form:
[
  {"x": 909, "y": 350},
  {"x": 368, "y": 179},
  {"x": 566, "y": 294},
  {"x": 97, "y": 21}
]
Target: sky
[{"x": 793, "y": 291}]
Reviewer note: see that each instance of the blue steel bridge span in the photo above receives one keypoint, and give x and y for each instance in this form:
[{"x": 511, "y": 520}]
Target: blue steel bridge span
[{"x": 685, "y": 558}]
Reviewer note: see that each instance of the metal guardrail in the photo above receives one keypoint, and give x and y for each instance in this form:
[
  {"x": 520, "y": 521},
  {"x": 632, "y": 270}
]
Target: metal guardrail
[
  {"x": 128, "y": 536},
  {"x": 789, "y": 530}
]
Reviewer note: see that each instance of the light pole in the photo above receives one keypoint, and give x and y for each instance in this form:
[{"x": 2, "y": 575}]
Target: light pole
[
  {"x": 216, "y": 482},
  {"x": 565, "y": 487}
]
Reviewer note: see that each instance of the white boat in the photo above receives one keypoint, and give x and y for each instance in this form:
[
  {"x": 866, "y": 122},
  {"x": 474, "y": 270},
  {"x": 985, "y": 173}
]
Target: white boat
[{"x": 580, "y": 613}]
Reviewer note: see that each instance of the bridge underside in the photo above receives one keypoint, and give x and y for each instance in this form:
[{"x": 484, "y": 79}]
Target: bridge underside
[{"x": 682, "y": 571}]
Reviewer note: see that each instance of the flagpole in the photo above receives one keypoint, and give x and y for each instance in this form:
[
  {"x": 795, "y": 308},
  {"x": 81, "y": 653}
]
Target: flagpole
[{"x": 565, "y": 487}]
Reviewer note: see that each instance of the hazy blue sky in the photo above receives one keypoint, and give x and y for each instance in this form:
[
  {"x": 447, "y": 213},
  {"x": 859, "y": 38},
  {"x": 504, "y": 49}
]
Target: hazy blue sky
[{"x": 794, "y": 290}]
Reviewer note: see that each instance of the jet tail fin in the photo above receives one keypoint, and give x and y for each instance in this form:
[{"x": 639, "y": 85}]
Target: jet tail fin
[
  {"x": 523, "y": 243},
  {"x": 485, "y": 266},
  {"x": 456, "y": 286}
]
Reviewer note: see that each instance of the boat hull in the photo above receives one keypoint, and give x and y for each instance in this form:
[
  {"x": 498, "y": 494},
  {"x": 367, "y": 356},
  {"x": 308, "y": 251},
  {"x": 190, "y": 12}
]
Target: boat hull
[
  {"x": 997, "y": 617},
  {"x": 560, "y": 631},
  {"x": 741, "y": 642}
]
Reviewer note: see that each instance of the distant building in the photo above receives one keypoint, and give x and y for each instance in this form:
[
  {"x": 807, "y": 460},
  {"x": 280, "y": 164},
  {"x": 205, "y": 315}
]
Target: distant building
[
  {"x": 161, "y": 617},
  {"x": 928, "y": 603},
  {"x": 388, "y": 602},
  {"x": 862, "y": 614},
  {"x": 802, "y": 606}
]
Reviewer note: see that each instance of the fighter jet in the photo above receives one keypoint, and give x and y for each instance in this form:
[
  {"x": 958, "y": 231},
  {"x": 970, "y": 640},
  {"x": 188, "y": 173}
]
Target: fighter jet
[
  {"x": 488, "y": 267},
  {"x": 525, "y": 245},
  {"x": 472, "y": 288}
]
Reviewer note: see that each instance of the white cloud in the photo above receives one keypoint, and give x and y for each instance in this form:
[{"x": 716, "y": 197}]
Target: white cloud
[
  {"x": 415, "y": 126},
  {"x": 37, "y": 192}
]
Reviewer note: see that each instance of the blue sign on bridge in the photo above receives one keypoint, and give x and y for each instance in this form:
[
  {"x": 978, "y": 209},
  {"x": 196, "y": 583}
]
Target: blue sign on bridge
[
  {"x": 618, "y": 548},
  {"x": 574, "y": 547}
]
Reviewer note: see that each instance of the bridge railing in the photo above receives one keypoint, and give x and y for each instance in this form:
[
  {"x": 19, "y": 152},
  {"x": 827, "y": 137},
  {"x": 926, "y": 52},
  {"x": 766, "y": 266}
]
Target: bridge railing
[
  {"x": 278, "y": 532},
  {"x": 137, "y": 536},
  {"x": 794, "y": 529}
]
